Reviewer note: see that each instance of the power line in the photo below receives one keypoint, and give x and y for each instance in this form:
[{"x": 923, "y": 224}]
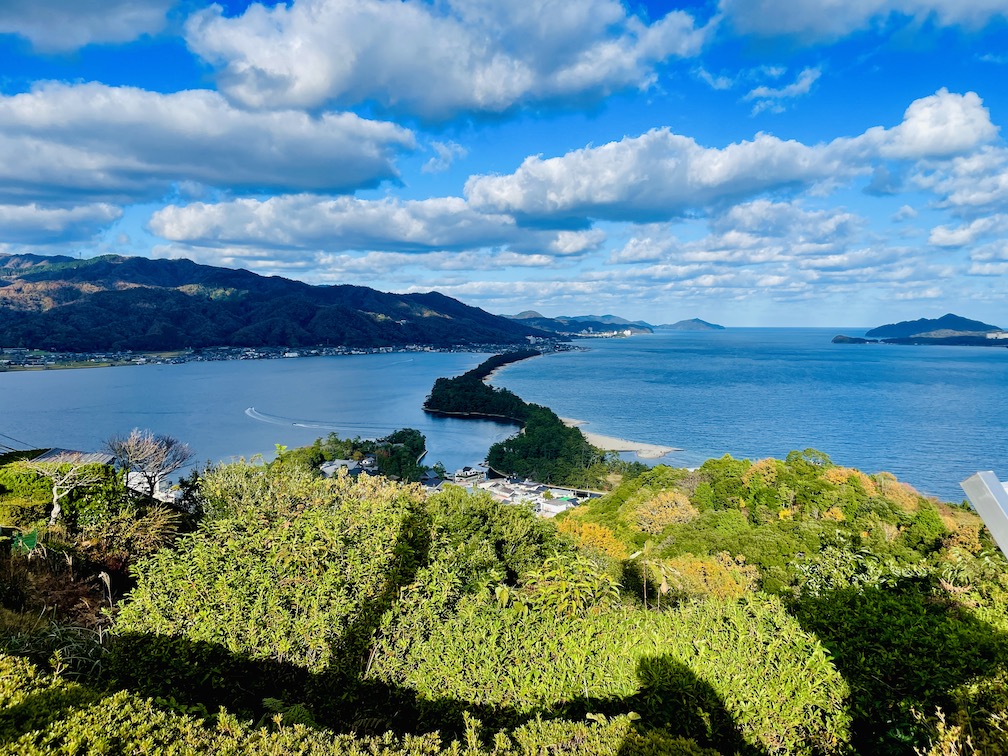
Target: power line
[{"x": 16, "y": 441}]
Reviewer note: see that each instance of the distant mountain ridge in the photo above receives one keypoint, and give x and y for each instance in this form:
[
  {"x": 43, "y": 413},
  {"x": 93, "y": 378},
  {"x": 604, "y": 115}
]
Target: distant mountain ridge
[
  {"x": 113, "y": 303},
  {"x": 571, "y": 325}
]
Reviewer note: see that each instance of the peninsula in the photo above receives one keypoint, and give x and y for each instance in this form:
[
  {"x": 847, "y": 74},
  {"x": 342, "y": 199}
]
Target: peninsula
[
  {"x": 549, "y": 449},
  {"x": 584, "y": 326}
]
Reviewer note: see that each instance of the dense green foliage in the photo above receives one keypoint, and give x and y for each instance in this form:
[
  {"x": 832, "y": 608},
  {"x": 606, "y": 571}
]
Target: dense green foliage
[
  {"x": 42, "y": 713},
  {"x": 777, "y": 607},
  {"x": 398, "y": 454},
  {"x": 24, "y": 494},
  {"x": 331, "y": 552},
  {"x": 907, "y": 594},
  {"x": 724, "y": 674},
  {"x": 548, "y": 451},
  {"x": 469, "y": 394}
]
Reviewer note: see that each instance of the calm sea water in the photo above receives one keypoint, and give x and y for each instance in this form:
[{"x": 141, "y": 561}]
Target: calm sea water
[
  {"x": 206, "y": 404},
  {"x": 932, "y": 415}
]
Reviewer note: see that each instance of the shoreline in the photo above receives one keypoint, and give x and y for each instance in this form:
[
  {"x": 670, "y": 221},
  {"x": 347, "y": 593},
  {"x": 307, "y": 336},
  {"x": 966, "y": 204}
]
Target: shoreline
[
  {"x": 486, "y": 378},
  {"x": 611, "y": 443}
]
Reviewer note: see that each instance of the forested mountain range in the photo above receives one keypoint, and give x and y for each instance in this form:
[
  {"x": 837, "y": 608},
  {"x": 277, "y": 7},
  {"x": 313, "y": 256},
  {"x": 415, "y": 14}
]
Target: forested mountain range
[{"x": 114, "y": 303}]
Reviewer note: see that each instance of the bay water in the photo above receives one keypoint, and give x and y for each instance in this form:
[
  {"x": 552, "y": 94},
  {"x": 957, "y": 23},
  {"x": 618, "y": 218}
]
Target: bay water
[
  {"x": 931, "y": 415},
  {"x": 230, "y": 409}
]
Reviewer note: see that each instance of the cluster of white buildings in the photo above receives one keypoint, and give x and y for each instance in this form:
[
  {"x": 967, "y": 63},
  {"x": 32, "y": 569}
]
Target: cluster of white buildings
[{"x": 547, "y": 501}]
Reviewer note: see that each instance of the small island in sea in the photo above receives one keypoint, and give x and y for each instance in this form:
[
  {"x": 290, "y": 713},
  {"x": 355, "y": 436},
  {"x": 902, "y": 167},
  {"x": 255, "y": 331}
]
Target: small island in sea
[
  {"x": 694, "y": 324},
  {"x": 948, "y": 330}
]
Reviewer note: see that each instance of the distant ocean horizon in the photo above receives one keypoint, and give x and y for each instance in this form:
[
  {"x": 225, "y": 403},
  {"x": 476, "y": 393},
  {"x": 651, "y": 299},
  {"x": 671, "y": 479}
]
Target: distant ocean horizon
[{"x": 931, "y": 415}]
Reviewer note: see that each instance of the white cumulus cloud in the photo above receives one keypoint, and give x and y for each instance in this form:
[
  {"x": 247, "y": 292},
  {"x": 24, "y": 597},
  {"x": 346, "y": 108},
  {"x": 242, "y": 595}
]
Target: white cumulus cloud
[
  {"x": 435, "y": 60},
  {"x": 62, "y": 141},
  {"x": 969, "y": 184},
  {"x": 939, "y": 125},
  {"x": 33, "y": 224},
  {"x": 655, "y": 176},
  {"x": 773, "y": 98},
  {"x": 661, "y": 175},
  {"x": 968, "y": 233},
  {"x": 348, "y": 223},
  {"x": 445, "y": 154}
]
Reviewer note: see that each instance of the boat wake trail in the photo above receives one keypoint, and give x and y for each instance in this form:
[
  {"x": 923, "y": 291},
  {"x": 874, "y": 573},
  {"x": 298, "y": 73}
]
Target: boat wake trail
[
  {"x": 370, "y": 429},
  {"x": 278, "y": 420}
]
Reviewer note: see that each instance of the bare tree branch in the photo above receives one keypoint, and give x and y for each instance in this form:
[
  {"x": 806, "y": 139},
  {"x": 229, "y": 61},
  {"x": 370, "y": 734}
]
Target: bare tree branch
[{"x": 150, "y": 456}]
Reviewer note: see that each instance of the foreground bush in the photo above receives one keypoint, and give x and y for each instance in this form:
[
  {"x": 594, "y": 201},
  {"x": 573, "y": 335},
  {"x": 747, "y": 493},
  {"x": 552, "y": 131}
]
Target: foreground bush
[
  {"x": 298, "y": 578},
  {"x": 733, "y": 676},
  {"x": 43, "y": 714}
]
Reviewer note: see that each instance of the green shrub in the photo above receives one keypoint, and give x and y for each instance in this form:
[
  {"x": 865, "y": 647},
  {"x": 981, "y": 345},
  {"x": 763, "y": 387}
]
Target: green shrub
[
  {"x": 299, "y": 582},
  {"x": 44, "y": 714},
  {"x": 926, "y": 529},
  {"x": 721, "y": 576},
  {"x": 569, "y": 584},
  {"x": 227, "y": 490},
  {"x": 517, "y": 539},
  {"x": 18, "y": 481},
  {"x": 722, "y": 674}
]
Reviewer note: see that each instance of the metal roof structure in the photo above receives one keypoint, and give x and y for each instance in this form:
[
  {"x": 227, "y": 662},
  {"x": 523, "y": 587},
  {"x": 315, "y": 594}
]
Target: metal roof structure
[{"x": 72, "y": 456}]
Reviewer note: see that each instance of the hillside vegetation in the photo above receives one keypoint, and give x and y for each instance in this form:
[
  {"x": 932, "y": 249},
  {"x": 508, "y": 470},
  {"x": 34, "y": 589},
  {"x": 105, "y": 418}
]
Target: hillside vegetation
[
  {"x": 773, "y": 607},
  {"x": 112, "y": 303}
]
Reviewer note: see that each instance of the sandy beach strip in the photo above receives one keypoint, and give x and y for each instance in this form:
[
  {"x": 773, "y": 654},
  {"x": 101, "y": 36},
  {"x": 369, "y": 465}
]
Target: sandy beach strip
[{"x": 611, "y": 443}]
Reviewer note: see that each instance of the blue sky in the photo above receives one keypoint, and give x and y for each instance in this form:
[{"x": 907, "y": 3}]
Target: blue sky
[{"x": 750, "y": 162}]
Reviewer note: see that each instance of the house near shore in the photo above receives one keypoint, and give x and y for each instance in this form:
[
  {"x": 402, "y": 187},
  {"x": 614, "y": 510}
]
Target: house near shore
[
  {"x": 546, "y": 501},
  {"x": 366, "y": 466},
  {"x": 468, "y": 476},
  {"x": 431, "y": 480},
  {"x": 139, "y": 484}
]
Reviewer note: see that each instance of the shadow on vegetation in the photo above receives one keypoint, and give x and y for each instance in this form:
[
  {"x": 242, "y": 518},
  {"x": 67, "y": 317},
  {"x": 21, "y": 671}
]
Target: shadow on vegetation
[
  {"x": 671, "y": 700},
  {"x": 901, "y": 649},
  {"x": 40, "y": 711},
  {"x": 199, "y": 675}
]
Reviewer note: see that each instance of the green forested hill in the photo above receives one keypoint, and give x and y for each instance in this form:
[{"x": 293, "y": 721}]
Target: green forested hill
[{"x": 112, "y": 303}]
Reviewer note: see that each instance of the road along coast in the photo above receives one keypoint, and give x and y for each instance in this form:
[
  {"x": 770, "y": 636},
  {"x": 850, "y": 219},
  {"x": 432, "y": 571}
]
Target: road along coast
[{"x": 611, "y": 443}]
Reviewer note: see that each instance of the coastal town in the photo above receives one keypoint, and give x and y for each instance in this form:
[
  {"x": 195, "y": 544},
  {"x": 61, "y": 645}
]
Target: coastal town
[{"x": 20, "y": 358}]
